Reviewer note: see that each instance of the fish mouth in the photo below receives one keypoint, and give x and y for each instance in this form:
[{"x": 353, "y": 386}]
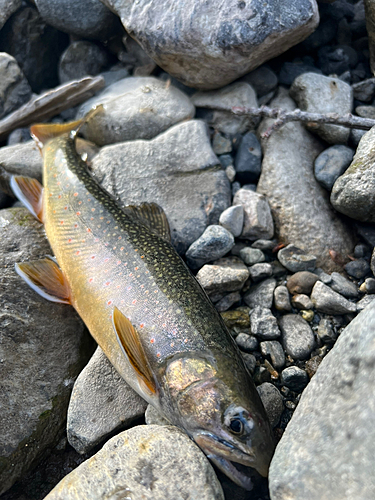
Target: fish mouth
[{"x": 238, "y": 473}]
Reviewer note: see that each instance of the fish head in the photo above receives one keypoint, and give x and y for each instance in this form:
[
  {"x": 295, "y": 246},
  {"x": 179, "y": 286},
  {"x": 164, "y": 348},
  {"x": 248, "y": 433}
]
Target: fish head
[{"x": 224, "y": 415}]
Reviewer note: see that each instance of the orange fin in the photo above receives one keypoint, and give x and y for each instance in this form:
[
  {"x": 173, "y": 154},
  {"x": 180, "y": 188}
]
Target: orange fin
[
  {"x": 30, "y": 192},
  {"x": 46, "y": 278},
  {"x": 130, "y": 342},
  {"x": 152, "y": 216}
]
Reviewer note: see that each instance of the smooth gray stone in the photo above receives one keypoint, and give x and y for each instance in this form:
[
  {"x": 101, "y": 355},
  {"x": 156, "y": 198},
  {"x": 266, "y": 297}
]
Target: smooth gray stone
[
  {"x": 342, "y": 285},
  {"x": 14, "y": 88},
  {"x": 152, "y": 462},
  {"x": 224, "y": 275},
  {"x": 295, "y": 259},
  {"x": 248, "y": 161},
  {"x": 209, "y": 45},
  {"x": 292, "y": 191},
  {"x": 221, "y": 144},
  {"x": 297, "y": 336},
  {"x": 258, "y": 221},
  {"x": 214, "y": 243},
  {"x": 265, "y": 245},
  {"x": 327, "y": 301},
  {"x": 274, "y": 350},
  {"x": 365, "y": 301},
  {"x": 302, "y": 301},
  {"x": 321, "y": 94},
  {"x": 7, "y": 8},
  {"x": 252, "y": 256},
  {"x": 272, "y": 401},
  {"x": 327, "y": 450},
  {"x": 247, "y": 343},
  {"x": 361, "y": 251},
  {"x": 364, "y": 91},
  {"x": 366, "y": 111},
  {"x": 353, "y": 193},
  {"x": 177, "y": 170},
  {"x": 262, "y": 79},
  {"x": 261, "y": 294},
  {"x": 232, "y": 219},
  {"x": 324, "y": 277},
  {"x": 294, "y": 378},
  {"x": 80, "y": 59},
  {"x": 301, "y": 282},
  {"x": 228, "y": 301},
  {"x": 326, "y": 332},
  {"x": 101, "y": 404},
  {"x": 260, "y": 271},
  {"x": 250, "y": 361},
  {"x": 263, "y": 323},
  {"x": 332, "y": 163},
  {"x": 43, "y": 348},
  {"x": 358, "y": 268},
  {"x": 282, "y": 299}
]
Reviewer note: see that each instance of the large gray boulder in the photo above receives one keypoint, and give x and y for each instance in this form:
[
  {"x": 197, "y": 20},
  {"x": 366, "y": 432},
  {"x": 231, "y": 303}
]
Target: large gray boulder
[
  {"x": 208, "y": 44},
  {"x": 149, "y": 462},
  {"x": 43, "y": 348},
  {"x": 178, "y": 170},
  {"x": 300, "y": 206},
  {"x": 14, "y": 88},
  {"x": 327, "y": 450}
]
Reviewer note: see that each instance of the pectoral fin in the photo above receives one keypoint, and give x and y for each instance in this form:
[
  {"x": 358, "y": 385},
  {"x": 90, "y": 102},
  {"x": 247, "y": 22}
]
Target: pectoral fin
[
  {"x": 152, "y": 216},
  {"x": 30, "y": 192},
  {"x": 46, "y": 278},
  {"x": 130, "y": 342}
]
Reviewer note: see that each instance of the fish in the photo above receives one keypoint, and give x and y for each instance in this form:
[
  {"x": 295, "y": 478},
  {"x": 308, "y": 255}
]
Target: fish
[{"x": 117, "y": 267}]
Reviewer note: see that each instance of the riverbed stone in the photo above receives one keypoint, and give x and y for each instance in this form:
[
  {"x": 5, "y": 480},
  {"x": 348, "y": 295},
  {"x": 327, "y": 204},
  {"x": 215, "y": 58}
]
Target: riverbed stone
[
  {"x": 295, "y": 259},
  {"x": 209, "y": 45},
  {"x": 44, "y": 347},
  {"x": 232, "y": 219},
  {"x": 261, "y": 294},
  {"x": 301, "y": 282},
  {"x": 260, "y": 271},
  {"x": 248, "y": 161},
  {"x": 342, "y": 285},
  {"x": 274, "y": 350},
  {"x": 252, "y": 256},
  {"x": 228, "y": 301},
  {"x": 358, "y": 268},
  {"x": 153, "y": 462},
  {"x": 335, "y": 422},
  {"x": 258, "y": 221},
  {"x": 214, "y": 243},
  {"x": 153, "y": 417},
  {"x": 224, "y": 275},
  {"x": 14, "y": 88},
  {"x": 328, "y": 301},
  {"x": 288, "y": 181},
  {"x": 301, "y": 301},
  {"x": 177, "y": 170},
  {"x": 7, "y": 8},
  {"x": 294, "y": 378},
  {"x": 272, "y": 401},
  {"x": 282, "y": 299},
  {"x": 297, "y": 336},
  {"x": 101, "y": 404},
  {"x": 135, "y": 108},
  {"x": 80, "y": 59},
  {"x": 263, "y": 323},
  {"x": 332, "y": 163}
]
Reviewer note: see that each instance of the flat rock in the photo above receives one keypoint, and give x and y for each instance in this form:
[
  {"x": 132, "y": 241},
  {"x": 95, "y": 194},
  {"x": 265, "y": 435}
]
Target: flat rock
[
  {"x": 135, "y": 108},
  {"x": 297, "y": 336},
  {"x": 261, "y": 294},
  {"x": 353, "y": 193},
  {"x": 342, "y": 285},
  {"x": 14, "y": 88},
  {"x": 225, "y": 275},
  {"x": 260, "y": 271},
  {"x": 215, "y": 242},
  {"x": 263, "y": 323},
  {"x": 178, "y": 170},
  {"x": 252, "y": 256},
  {"x": 208, "y": 45},
  {"x": 317, "y": 458},
  {"x": 295, "y": 259},
  {"x": 152, "y": 462},
  {"x": 80, "y": 59},
  {"x": 301, "y": 282},
  {"x": 101, "y": 403},
  {"x": 332, "y": 163},
  {"x": 44, "y": 347},
  {"x": 292, "y": 191},
  {"x": 327, "y": 301},
  {"x": 258, "y": 221},
  {"x": 358, "y": 268},
  {"x": 321, "y": 94}
]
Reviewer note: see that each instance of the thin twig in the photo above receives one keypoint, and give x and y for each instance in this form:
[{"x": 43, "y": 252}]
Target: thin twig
[
  {"x": 282, "y": 116},
  {"x": 51, "y": 103}
]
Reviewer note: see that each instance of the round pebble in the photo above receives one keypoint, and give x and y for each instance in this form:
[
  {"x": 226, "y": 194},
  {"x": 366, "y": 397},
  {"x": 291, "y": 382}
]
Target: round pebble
[
  {"x": 358, "y": 268},
  {"x": 252, "y": 256},
  {"x": 232, "y": 219},
  {"x": 282, "y": 300},
  {"x": 272, "y": 401},
  {"x": 274, "y": 350},
  {"x": 294, "y": 378},
  {"x": 215, "y": 242},
  {"x": 247, "y": 343},
  {"x": 301, "y": 282},
  {"x": 297, "y": 336}
]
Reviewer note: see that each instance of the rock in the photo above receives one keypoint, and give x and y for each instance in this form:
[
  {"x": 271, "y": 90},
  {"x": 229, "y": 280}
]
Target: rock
[
  {"x": 261, "y": 294},
  {"x": 262, "y": 79},
  {"x": 178, "y": 170},
  {"x": 282, "y": 300},
  {"x": 20, "y": 159},
  {"x": 326, "y": 332},
  {"x": 343, "y": 286},
  {"x": 327, "y": 301},
  {"x": 35, "y": 45},
  {"x": 153, "y": 417},
  {"x": 366, "y": 111},
  {"x": 358, "y": 268},
  {"x": 336, "y": 393},
  {"x": 18, "y": 136},
  {"x": 135, "y": 108},
  {"x": 149, "y": 461},
  {"x": 260, "y": 271},
  {"x": 85, "y": 19},
  {"x": 263, "y": 323},
  {"x": 228, "y": 301},
  {"x": 302, "y": 301},
  {"x": 301, "y": 282},
  {"x": 232, "y": 219},
  {"x": 292, "y": 191},
  {"x": 221, "y": 144},
  {"x": 43, "y": 348},
  {"x": 208, "y": 46},
  {"x": 372, "y": 263},
  {"x": 273, "y": 349},
  {"x": 321, "y": 94},
  {"x": 214, "y": 243},
  {"x": 257, "y": 215},
  {"x": 250, "y": 361},
  {"x": 7, "y": 8},
  {"x": 248, "y": 161},
  {"x": 368, "y": 286},
  {"x": 361, "y": 250},
  {"x": 364, "y": 91},
  {"x": 80, "y": 59},
  {"x": 291, "y": 70},
  {"x": 236, "y": 319},
  {"x": 297, "y": 336},
  {"x": 294, "y": 378},
  {"x": 101, "y": 403},
  {"x": 332, "y": 163},
  {"x": 364, "y": 302},
  {"x": 247, "y": 343},
  {"x": 272, "y": 401},
  {"x": 295, "y": 259},
  {"x": 265, "y": 245},
  {"x": 14, "y": 87},
  {"x": 337, "y": 60},
  {"x": 353, "y": 193},
  {"x": 224, "y": 275},
  {"x": 324, "y": 277},
  {"x": 307, "y": 314},
  {"x": 236, "y": 94},
  {"x": 252, "y": 256}
]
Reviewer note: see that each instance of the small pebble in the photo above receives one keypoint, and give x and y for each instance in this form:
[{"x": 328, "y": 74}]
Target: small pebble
[
  {"x": 294, "y": 378},
  {"x": 236, "y": 318},
  {"x": 307, "y": 315},
  {"x": 295, "y": 259},
  {"x": 221, "y": 144},
  {"x": 327, "y": 301},
  {"x": 312, "y": 365},
  {"x": 265, "y": 245},
  {"x": 332, "y": 163},
  {"x": 301, "y": 301},
  {"x": 250, "y": 361},
  {"x": 230, "y": 173},
  {"x": 232, "y": 219},
  {"x": 252, "y": 256},
  {"x": 326, "y": 332},
  {"x": 360, "y": 250},
  {"x": 248, "y": 159},
  {"x": 263, "y": 323},
  {"x": 368, "y": 286},
  {"x": 226, "y": 160},
  {"x": 247, "y": 343},
  {"x": 274, "y": 350},
  {"x": 215, "y": 242},
  {"x": 228, "y": 301},
  {"x": 323, "y": 276},
  {"x": 343, "y": 286},
  {"x": 358, "y": 268},
  {"x": 261, "y": 294},
  {"x": 260, "y": 271},
  {"x": 297, "y": 336},
  {"x": 272, "y": 401},
  {"x": 281, "y": 298},
  {"x": 261, "y": 375},
  {"x": 301, "y": 282},
  {"x": 290, "y": 405}
]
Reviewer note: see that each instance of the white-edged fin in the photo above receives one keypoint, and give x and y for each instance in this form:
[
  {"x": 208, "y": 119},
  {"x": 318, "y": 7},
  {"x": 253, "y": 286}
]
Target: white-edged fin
[
  {"x": 45, "y": 278},
  {"x": 30, "y": 192}
]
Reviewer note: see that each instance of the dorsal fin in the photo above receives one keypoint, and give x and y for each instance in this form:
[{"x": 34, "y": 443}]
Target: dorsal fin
[
  {"x": 30, "y": 192},
  {"x": 131, "y": 344},
  {"x": 152, "y": 216}
]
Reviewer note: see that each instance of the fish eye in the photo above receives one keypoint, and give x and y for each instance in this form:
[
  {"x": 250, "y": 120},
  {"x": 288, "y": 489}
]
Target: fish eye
[{"x": 236, "y": 426}]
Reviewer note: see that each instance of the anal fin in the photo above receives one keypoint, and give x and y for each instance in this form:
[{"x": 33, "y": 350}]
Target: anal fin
[
  {"x": 46, "y": 278},
  {"x": 129, "y": 341},
  {"x": 30, "y": 192}
]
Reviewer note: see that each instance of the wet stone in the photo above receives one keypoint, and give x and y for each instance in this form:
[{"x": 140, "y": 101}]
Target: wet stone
[
  {"x": 232, "y": 219},
  {"x": 248, "y": 161},
  {"x": 332, "y": 163},
  {"x": 252, "y": 256},
  {"x": 261, "y": 294},
  {"x": 264, "y": 324},
  {"x": 302, "y": 301},
  {"x": 343, "y": 286},
  {"x": 295, "y": 259},
  {"x": 273, "y": 350},
  {"x": 272, "y": 401},
  {"x": 228, "y": 301},
  {"x": 250, "y": 361},
  {"x": 224, "y": 275},
  {"x": 294, "y": 378},
  {"x": 327, "y": 301},
  {"x": 297, "y": 336},
  {"x": 282, "y": 300},
  {"x": 258, "y": 221},
  {"x": 326, "y": 332},
  {"x": 260, "y": 271},
  {"x": 358, "y": 268},
  {"x": 247, "y": 343},
  {"x": 301, "y": 282}
]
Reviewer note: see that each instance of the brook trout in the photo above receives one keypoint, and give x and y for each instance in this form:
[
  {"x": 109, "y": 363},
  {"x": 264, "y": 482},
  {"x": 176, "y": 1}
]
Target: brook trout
[{"x": 116, "y": 266}]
